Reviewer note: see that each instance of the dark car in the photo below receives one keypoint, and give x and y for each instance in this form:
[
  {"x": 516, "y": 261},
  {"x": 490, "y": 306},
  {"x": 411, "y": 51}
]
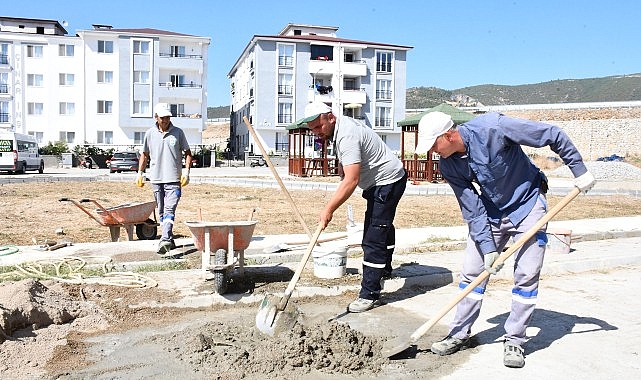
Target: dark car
[{"x": 124, "y": 162}]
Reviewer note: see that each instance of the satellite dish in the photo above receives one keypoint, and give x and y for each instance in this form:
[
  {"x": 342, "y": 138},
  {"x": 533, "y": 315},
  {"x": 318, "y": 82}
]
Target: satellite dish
[{"x": 64, "y": 23}]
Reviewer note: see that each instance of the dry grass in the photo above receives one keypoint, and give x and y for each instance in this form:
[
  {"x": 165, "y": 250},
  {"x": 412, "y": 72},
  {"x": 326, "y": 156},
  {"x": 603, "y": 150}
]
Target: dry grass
[{"x": 33, "y": 211}]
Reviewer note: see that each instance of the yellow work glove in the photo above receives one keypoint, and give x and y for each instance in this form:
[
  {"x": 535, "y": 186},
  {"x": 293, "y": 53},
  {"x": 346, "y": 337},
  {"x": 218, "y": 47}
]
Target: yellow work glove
[
  {"x": 140, "y": 180},
  {"x": 184, "y": 179}
]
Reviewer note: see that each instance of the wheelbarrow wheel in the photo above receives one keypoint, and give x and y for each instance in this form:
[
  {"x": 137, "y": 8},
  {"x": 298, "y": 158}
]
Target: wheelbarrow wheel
[
  {"x": 221, "y": 277},
  {"x": 147, "y": 230}
]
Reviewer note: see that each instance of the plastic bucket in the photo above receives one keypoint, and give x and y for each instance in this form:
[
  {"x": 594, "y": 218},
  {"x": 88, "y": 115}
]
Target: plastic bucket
[
  {"x": 330, "y": 262},
  {"x": 558, "y": 241}
]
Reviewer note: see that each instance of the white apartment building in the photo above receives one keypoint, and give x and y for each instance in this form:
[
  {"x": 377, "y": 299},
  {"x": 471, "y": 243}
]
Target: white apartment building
[
  {"x": 99, "y": 86},
  {"x": 276, "y": 76}
]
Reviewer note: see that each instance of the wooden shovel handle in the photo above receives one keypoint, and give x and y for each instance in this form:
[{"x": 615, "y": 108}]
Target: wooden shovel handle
[
  {"x": 275, "y": 173},
  {"x": 301, "y": 265},
  {"x": 504, "y": 256}
]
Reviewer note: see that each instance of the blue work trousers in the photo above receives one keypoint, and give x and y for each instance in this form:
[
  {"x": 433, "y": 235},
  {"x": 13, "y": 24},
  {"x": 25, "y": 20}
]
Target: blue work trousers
[{"x": 379, "y": 236}]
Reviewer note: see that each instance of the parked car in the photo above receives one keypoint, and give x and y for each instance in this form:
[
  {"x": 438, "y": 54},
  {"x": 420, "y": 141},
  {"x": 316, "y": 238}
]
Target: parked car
[{"x": 126, "y": 161}]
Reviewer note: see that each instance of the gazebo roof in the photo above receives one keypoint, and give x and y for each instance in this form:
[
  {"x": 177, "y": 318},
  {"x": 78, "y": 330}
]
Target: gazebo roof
[{"x": 458, "y": 116}]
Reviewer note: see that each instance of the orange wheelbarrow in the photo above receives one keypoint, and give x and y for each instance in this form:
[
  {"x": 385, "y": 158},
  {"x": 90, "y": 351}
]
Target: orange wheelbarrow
[{"x": 128, "y": 215}]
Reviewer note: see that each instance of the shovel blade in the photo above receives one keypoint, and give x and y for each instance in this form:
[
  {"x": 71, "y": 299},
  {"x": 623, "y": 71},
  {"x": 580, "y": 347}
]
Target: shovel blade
[
  {"x": 266, "y": 315},
  {"x": 395, "y": 346}
]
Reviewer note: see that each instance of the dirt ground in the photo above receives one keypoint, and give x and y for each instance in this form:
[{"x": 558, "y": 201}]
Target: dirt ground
[
  {"x": 52, "y": 330},
  {"x": 33, "y": 212}
]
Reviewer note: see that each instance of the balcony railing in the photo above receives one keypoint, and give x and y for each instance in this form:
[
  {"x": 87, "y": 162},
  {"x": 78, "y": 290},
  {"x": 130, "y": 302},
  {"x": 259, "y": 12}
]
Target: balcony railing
[
  {"x": 285, "y": 118},
  {"x": 285, "y": 60},
  {"x": 4, "y": 59},
  {"x": 384, "y": 95},
  {"x": 174, "y": 55},
  {"x": 285, "y": 89},
  {"x": 185, "y": 85},
  {"x": 4, "y": 117},
  {"x": 4, "y": 88},
  {"x": 383, "y": 122}
]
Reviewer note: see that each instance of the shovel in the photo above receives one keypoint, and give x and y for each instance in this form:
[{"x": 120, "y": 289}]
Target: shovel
[
  {"x": 398, "y": 345},
  {"x": 270, "y": 308}
]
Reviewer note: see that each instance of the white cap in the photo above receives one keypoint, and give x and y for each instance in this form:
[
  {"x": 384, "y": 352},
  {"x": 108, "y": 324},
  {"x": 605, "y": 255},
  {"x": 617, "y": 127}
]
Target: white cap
[
  {"x": 313, "y": 110},
  {"x": 430, "y": 127},
  {"x": 162, "y": 110}
]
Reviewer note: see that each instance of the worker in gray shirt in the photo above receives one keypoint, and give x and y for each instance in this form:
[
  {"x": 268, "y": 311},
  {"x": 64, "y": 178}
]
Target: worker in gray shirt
[
  {"x": 368, "y": 163},
  {"x": 163, "y": 147}
]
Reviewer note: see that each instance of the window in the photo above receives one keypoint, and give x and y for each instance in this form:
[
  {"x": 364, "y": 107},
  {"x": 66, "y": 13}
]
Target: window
[
  {"x": 67, "y": 137},
  {"x": 383, "y": 117},
  {"x": 384, "y": 89},
  {"x": 138, "y": 137},
  {"x": 349, "y": 84},
  {"x": 105, "y": 47},
  {"x": 284, "y": 113},
  {"x": 177, "y": 109},
  {"x": 66, "y": 79},
  {"x": 384, "y": 62},
  {"x": 67, "y": 108},
  {"x": 105, "y": 137},
  {"x": 4, "y": 54},
  {"x": 105, "y": 106},
  {"x": 141, "y": 77},
  {"x": 34, "y": 80},
  {"x": 322, "y": 53},
  {"x": 105, "y": 76},
  {"x": 141, "y": 47},
  {"x": 285, "y": 84},
  {"x": 141, "y": 107},
  {"x": 4, "y": 83},
  {"x": 177, "y": 51},
  {"x": 285, "y": 55},
  {"x": 34, "y": 51},
  {"x": 38, "y": 135},
  {"x": 34, "y": 108},
  {"x": 177, "y": 80},
  {"x": 65, "y": 50},
  {"x": 4, "y": 112}
]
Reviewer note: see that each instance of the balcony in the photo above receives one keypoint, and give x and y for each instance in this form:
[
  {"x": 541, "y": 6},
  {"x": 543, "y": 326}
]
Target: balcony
[
  {"x": 354, "y": 96},
  {"x": 321, "y": 66},
  {"x": 183, "y": 63},
  {"x": 354, "y": 69}
]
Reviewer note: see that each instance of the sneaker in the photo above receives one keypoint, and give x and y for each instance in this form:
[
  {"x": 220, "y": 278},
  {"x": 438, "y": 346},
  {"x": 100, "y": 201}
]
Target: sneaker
[
  {"x": 164, "y": 247},
  {"x": 450, "y": 345},
  {"x": 361, "y": 304},
  {"x": 513, "y": 355}
]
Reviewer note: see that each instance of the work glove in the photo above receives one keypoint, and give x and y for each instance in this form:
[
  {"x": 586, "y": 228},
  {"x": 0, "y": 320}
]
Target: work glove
[
  {"x": 585, "y": 182},
  {"x": 489, "y": 259},
  {"x": 184, "y": 179},
  {"x": 140, "y": 180}
]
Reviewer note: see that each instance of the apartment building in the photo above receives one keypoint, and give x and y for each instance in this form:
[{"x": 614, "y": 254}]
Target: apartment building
[
  {"x": 276, "y": 76},
  {"x": 99, "y": 86}
]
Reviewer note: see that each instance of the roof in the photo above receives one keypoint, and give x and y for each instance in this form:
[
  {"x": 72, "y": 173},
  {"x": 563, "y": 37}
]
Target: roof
[{"x": 458, "y": 116}]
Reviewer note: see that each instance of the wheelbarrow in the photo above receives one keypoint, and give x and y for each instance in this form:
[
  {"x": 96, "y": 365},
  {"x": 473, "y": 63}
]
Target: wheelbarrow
[
  {"x": 128, "y": 215},
  {"x": 228, "y": 241}
]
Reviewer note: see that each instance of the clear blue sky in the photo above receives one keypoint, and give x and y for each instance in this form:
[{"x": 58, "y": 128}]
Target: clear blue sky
[{"x": 455, "y": 43}]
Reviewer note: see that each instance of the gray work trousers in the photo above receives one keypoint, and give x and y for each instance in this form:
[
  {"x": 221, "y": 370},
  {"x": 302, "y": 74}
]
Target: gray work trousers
[
  {"x": 167, "y": 196},
  {"x": 528, "y": 261}
]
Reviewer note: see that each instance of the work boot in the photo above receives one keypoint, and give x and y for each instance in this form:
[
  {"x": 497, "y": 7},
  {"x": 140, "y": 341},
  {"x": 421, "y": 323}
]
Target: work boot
[
  {"x": 513, "y": 355},
  {"x": 164, "y": 247},
  {"x": 450, "y": 345},
  {"x": 361, "y": 304}
]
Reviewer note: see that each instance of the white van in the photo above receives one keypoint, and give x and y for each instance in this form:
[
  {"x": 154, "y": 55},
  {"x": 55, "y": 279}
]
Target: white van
[{"x": 19, "y": 153}]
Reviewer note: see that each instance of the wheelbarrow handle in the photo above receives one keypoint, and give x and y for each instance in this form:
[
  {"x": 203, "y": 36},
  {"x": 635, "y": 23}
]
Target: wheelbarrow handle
[
  {"x": 64, "y": 200},
  {"x": 85, "y": 200}
]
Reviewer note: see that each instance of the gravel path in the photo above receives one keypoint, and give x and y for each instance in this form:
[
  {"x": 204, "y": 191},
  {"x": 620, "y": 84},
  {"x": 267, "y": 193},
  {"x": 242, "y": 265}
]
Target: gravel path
[{"x": 603, "y": 170}]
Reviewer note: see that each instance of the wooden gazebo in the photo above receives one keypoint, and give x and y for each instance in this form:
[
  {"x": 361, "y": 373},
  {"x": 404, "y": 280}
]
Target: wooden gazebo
[
  {"x": 424, "y": 168},
  {"x": 308, "y": 155}
]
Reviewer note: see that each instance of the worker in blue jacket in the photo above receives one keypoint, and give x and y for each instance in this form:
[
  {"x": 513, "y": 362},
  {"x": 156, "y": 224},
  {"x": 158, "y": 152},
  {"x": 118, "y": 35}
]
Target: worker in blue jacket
[{"x": 501, "y": 194}]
